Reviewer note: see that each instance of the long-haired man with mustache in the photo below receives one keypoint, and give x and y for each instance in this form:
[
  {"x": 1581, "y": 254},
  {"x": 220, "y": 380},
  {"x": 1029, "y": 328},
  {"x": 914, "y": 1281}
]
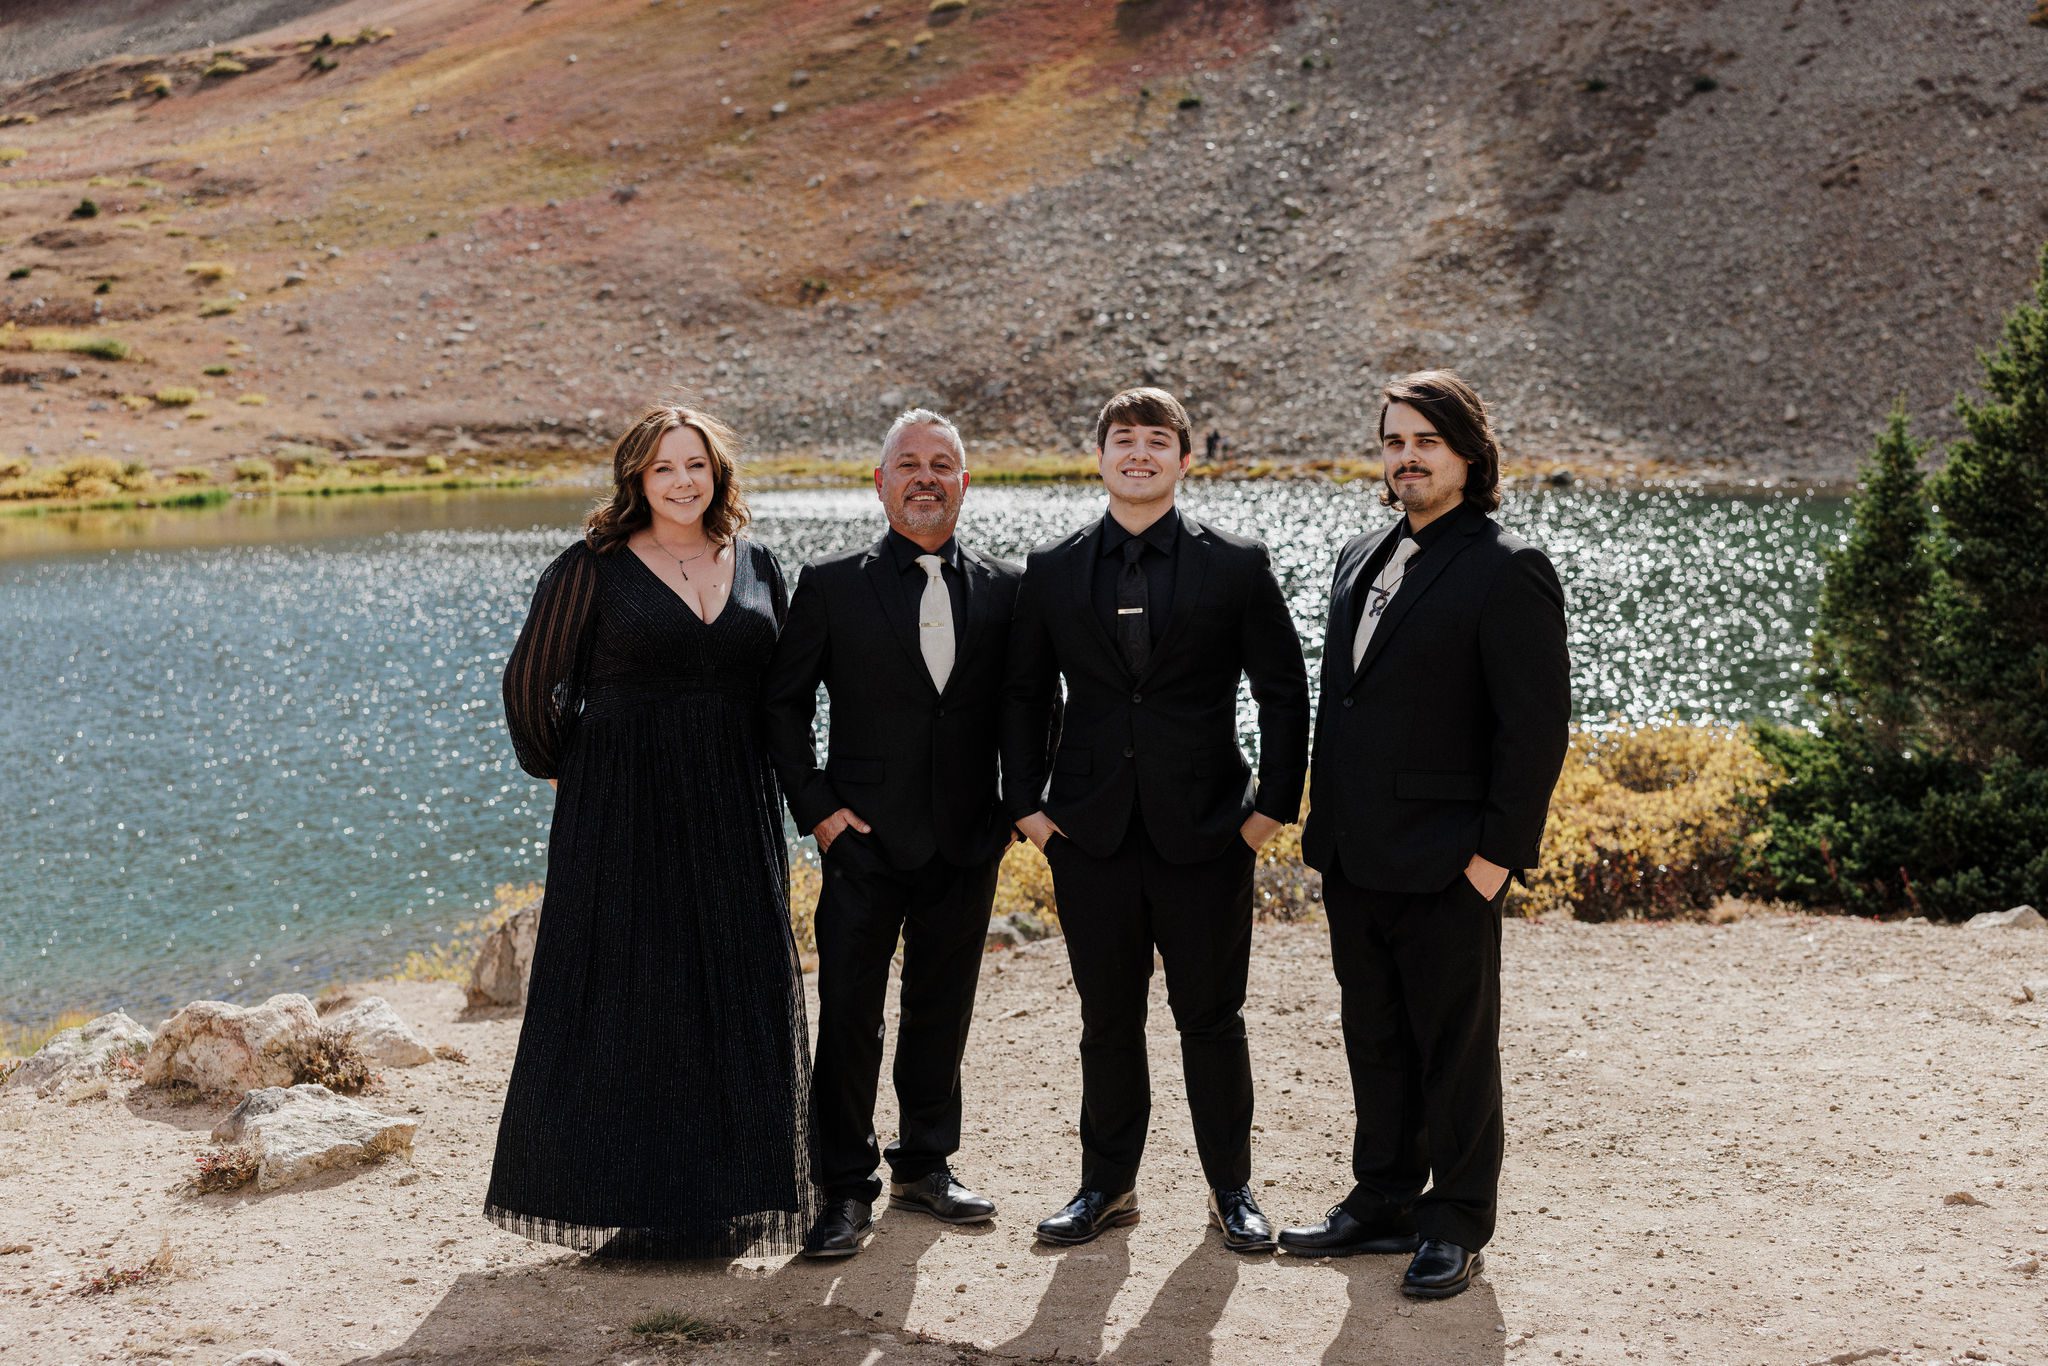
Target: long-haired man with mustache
[
  {"x": 1440, "y": 733},
  {"x": 1150, "y": 816},
  {"x": 909, "y": 637}
]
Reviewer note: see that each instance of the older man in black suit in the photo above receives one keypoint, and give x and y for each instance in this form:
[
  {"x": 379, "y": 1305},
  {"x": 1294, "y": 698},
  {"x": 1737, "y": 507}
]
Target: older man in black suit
[
  {"x": 1441, "y": 730},
  {"x": 909, "y": 637},
  {"x": 1152, "y": 821}
]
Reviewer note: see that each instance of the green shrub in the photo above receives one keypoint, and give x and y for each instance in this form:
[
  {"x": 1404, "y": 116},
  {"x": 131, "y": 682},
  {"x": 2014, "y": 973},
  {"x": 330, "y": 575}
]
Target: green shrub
[
  {"x": 1925, "y": 788},
  {"x": 177, "y": 395},
  {"x": 217, "y": 370},
  {"x": 20, "y": 272},
  {"x": 86, "y": 209},
  {"x": 254, "y": 472},
  {"x": 436, "y": 464},
  {"x": 158, "y": 84},
  {"x": 135, "y": 476}
]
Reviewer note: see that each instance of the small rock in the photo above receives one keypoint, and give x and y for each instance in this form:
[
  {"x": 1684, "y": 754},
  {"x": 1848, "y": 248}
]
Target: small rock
[
  {"x": 80, "y": 1054},
  {"x": 263, "y": 1356},
  {"x": 294, "y": 277},
  {"x": 2018, "y": 918},
  {"x": 799, "y": 77},
  {"x": 1015, "y": 930},
  {"x": 2026, "y": 1266},
  {"x": 298, "y": 1131},
  {"x": 1962, "y": 1198},
  {"x": 503, "y": 964},
  {"x": 381, "y": 1035},
  {"x": 778, "y": 109},
  {"x": 220, "y": 1047},
  {"x": 626, "y": 194}
]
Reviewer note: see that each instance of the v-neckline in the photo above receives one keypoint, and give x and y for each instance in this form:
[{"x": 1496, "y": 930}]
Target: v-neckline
[{"x": 731, "y": 591}]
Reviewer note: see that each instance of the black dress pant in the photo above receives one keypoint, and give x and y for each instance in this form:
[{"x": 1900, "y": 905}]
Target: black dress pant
[
  {"x": 941, "y": 912},
  {"x": 1420, "y": 977},
  {"x": 1113, "y": 912}
]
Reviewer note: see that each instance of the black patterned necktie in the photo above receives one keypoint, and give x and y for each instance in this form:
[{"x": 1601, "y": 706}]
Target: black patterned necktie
[{"x": 1133, "y": 632}]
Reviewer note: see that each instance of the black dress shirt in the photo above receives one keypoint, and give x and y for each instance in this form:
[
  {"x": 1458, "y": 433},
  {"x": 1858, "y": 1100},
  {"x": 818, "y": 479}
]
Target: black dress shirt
[
  {"x": 1423, "y": 539},
  {"x": 906, "y": 552},
  {"x": 1157, "y": 563}
]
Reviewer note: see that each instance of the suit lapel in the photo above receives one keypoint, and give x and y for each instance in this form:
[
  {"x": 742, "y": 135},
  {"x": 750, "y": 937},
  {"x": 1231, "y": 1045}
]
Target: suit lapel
[
  {"x": 1422, "y": 571},
  {"x": 1343, "y": 613},
  {"x": 879, "y": 566},
  {"x": 1187, "y": 589},
  {"x": 967, "y": 634}
]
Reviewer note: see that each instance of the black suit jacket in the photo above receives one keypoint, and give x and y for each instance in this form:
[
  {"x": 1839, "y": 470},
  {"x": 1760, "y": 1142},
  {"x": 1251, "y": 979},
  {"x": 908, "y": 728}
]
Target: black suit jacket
[
  {"x": 1447, "y": 740},
  {"x": 918, "y": 765},
  {"x": 1165, "y": 740}
]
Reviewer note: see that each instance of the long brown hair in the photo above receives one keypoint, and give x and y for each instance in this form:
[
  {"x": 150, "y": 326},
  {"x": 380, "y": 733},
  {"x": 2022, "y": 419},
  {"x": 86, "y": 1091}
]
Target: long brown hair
[
  {"x": 1460, "y": 418},
  {"x": 626, "y": 511}
]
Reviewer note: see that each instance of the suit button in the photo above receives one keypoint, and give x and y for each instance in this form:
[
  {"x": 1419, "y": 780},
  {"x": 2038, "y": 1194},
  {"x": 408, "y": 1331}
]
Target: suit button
[
  {"x": 1137, "y": 697},
  {"x": 1347, "y": 702},
  {"x": 942, "y": 711},
  {"x": 1130, "y": 753}
]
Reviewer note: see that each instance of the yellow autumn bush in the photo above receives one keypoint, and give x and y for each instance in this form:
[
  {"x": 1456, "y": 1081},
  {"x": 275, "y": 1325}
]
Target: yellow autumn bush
[{"x": 1649, "y": 822}]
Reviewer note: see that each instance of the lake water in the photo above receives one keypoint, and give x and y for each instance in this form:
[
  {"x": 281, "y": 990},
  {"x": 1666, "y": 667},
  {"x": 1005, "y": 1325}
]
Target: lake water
[{"x": 252, "y": 748}]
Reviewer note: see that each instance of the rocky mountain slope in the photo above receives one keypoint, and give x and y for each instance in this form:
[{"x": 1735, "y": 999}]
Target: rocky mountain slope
[{"x": 1706, "y": 237}]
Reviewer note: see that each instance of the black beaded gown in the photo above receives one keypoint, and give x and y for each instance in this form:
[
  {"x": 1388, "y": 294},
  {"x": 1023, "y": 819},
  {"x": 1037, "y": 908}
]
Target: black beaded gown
[{"x": 658, "y": 1104}]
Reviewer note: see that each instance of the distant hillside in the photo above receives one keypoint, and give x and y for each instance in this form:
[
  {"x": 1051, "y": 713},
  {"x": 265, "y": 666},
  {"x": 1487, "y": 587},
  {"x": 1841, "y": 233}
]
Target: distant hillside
[{"x": 1715, "y": 237}]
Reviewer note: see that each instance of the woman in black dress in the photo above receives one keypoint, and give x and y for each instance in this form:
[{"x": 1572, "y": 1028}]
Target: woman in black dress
[{"x": 659, "y": 1101}]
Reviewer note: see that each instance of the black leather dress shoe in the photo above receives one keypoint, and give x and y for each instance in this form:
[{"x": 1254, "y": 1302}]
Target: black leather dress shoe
[
  {"x": 839, "y": 1229},
  {"x": 1244, "y": 1224},
  {"x": 1087, "y": 1215},
  {"x": 1440, "y": 1270},
  {"x": 1340, "y": 1235},
  {"x": 942, "y": 1197}
]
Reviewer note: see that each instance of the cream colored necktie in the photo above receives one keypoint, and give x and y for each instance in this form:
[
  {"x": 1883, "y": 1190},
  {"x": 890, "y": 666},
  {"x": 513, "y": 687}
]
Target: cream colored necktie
[
  {"x": 935, "y": 622},
  {"x": 1379, "y": 595}
]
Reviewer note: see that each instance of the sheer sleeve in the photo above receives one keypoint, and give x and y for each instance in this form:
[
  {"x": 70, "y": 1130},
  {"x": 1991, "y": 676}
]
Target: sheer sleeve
[
  {"x": 770, "y": 570},
  {"x": 541, "y": 674}
]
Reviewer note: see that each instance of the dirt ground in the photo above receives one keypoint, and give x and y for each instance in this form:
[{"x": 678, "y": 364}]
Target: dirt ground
[{"x": 1733, "y": 1143}]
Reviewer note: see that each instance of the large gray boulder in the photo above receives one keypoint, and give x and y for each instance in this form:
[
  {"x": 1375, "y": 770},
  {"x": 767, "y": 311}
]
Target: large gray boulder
[
  {"x": 80, "y": 1053},
  {"x": 228, "y": 1048},
  {"x": 298, "y": 1131},
  {"x": 381, "y": 1035},
  {"x": 2018, "y": 918},
  {"x": 505, "y": 962}
]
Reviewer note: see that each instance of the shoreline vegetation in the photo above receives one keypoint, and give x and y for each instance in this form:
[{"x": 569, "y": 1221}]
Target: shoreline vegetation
[{"x": 91, "y": 483}]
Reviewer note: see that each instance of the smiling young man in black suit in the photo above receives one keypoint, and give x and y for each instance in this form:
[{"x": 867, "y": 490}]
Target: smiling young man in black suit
[
  {"x": 1152, "y": 820},
  {"x": 908, "y": 636},
  {"x": 1440, "y": 732}
]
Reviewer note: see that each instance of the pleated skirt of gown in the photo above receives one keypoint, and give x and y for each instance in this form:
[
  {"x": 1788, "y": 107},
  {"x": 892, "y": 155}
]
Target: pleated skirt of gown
[{"x": 658, "y": 1105}]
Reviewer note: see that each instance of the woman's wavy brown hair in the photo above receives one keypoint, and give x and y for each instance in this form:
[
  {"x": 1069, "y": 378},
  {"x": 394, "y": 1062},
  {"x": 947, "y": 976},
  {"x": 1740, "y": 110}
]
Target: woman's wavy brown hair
[{"x": 626, "y": 511}]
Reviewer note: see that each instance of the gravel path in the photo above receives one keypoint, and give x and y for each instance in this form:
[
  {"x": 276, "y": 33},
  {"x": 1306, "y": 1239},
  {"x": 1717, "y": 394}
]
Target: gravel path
[{"x": 1731, "y": 1143}]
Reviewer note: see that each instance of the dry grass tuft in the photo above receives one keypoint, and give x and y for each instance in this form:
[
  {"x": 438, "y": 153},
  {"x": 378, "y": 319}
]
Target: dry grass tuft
[
  {"x": 329, "y": 1058},
  {"x": 209, "y": 270},
  {"x": 161, "y": 1266},
  {"x": 224, "y": 1169},
  {"x": 24, "y": 1040},
  {"x": 177, "y": 395}
]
